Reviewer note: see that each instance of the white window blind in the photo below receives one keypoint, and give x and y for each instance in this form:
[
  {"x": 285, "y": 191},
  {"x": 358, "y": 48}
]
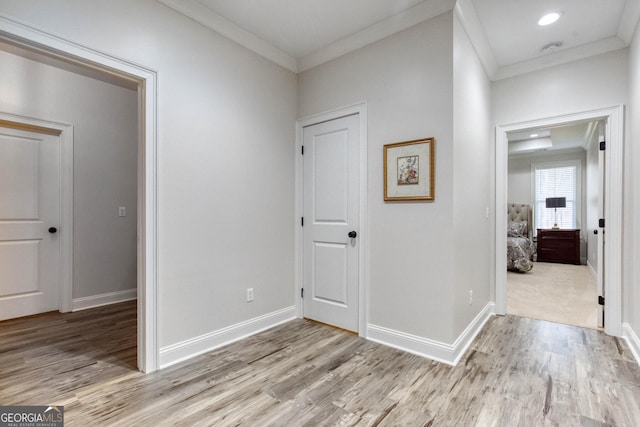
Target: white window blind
[{"x": 555, "y": 182}]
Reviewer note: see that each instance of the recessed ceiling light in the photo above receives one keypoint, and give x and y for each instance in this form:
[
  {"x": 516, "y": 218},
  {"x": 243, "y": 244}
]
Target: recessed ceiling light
[
  {"x": 533, "y": 135},
  {"x": 548, "y": 19}
]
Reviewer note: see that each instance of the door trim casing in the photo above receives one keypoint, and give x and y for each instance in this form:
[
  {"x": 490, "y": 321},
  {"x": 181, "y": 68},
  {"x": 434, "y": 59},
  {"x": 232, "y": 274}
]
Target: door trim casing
[
  {"x": 612, "y": 209},
  {"x": 22, "y": 34},
  {"x": 359, "y": 109},
  {"x": 65, "y": 165}
]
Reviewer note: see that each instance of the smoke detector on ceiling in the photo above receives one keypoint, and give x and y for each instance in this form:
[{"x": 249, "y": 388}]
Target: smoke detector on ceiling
[{"x": 552, "y": 47}]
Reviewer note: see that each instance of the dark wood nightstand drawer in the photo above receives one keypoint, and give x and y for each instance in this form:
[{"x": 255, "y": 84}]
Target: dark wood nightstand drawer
[
  {"x": 561, "y": 246},
  {"x": 557, "y": 236}
]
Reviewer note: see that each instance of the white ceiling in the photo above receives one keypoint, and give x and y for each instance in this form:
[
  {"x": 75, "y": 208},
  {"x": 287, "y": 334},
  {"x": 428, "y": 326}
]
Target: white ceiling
[
  {"x": 301, "y": 27},
  {"x": 512, "y": 30},
  {"x": 571, "y": 136},
  {"x": 300, "y": 34}
]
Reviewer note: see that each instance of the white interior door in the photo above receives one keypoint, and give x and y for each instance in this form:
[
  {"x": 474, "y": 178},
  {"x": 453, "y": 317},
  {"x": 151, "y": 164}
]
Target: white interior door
[
  {"x": 331, "y": 203},
  {"x": 601, "y": 234},
  {"x": 29, "y": 207}
]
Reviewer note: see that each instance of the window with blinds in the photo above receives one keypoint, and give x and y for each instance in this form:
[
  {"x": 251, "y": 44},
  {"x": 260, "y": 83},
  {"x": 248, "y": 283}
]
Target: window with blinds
[{"x": 555, "y": 181}]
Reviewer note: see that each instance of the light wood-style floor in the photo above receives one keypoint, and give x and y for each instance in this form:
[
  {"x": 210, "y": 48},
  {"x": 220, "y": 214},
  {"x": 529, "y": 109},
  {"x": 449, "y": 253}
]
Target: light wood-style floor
[{"x": 518, "y": 372}]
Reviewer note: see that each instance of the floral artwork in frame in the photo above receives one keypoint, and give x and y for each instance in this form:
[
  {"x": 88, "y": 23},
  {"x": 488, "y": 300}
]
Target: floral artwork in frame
[{"x": 409, "y": 170}]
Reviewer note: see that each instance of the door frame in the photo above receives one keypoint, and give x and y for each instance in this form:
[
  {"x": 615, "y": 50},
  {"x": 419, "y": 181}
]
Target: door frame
[
  {"x": 22, "y": 34},
  {"x": 614, "y": 135},
  {"x": 65, "y": 180},
  {"x": 359, "y": 109}
]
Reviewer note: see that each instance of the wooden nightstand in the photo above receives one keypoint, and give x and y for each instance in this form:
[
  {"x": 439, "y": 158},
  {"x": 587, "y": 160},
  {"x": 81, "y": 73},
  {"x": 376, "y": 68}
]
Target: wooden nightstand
[{"x": 561, "y": 246}]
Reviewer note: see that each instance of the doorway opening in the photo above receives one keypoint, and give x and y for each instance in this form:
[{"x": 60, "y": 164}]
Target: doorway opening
[
  {"x": 554, "y": 176},
  {"x": 611, "y": 275},
  {"x": 49, "y": 48}
]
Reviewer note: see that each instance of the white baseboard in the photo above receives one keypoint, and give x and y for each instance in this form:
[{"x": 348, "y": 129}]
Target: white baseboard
[
  {"x": 187, "y": 349},
  {"x": 431, "y": 349},
  {"x": 103, "y": 299},
  {"x": 632, "y": 339}
]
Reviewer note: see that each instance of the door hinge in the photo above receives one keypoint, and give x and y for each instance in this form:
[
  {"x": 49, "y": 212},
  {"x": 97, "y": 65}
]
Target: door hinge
[
  {"x": 301, "y": 221},
  {"x": 301, "y": 292},
  {"x": 601, "y": 223},
  {"x": 302, "y": 150},
  {"x": 600, "y": 300},
  {"x": 603, "y": 145}
]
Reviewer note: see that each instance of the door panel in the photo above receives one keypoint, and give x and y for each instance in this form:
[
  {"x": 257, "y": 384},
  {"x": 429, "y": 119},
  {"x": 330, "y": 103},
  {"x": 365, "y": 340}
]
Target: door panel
[
  {"x": 331, "y": 203},
  {"x": 17, "y": 260},
  {"x": 29, "y": 205},
  {"x": 330, "y": 273},
  {"x": 330, "y": 189},
  {"x": 19, "y": 164}
]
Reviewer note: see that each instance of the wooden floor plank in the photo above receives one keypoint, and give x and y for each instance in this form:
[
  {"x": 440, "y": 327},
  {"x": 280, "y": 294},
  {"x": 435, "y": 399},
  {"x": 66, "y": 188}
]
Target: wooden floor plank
[{"x": 518, "y": 372}]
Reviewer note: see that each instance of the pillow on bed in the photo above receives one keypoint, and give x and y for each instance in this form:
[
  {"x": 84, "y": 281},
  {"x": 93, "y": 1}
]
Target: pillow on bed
[{"x": 515, "y": 229}]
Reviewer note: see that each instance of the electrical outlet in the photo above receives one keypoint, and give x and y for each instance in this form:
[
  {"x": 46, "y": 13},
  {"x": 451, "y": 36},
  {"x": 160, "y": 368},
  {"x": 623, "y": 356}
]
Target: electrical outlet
[
  {"x": 470, "y": 297},
  {"x": 249, "y": 294},
  {"x": 122, "y": 211}
]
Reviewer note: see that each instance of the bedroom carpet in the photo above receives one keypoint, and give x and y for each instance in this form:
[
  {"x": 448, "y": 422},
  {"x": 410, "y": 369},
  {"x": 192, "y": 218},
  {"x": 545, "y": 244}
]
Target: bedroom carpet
[{"x": 562, "y": 293}]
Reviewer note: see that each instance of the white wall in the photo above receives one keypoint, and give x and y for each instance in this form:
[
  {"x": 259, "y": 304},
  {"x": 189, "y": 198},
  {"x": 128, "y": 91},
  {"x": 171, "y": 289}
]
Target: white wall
[
  {"x": 473, "y": 187},
  {"x": 407, "y": 82},
  {"x": 105, "y": 120},
  {"x": 226, "y": 175},
  {"x": 631, "y": 293},
  {"x": 588, "y": 84}
]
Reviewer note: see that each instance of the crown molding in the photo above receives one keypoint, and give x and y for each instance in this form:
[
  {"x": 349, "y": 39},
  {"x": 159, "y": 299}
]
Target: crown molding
[
  {"x": 560, "y": 57},
  {"x": 394, "y": 24},
  {"x": 205, "y": 16},
  {"x": 629, "y": 21},
  {"x": 471, "y": 24},
  {"x": 421, "y": 12}
]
